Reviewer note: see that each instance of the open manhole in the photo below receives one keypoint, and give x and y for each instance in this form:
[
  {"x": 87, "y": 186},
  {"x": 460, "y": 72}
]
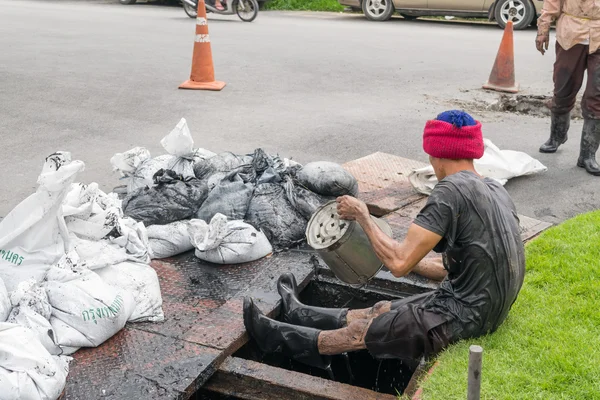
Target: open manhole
[{"x": 356, "y": 368}]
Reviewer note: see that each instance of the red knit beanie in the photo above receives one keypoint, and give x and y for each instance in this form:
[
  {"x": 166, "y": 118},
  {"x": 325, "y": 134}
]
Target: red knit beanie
[{"x": 453, "y": 135}]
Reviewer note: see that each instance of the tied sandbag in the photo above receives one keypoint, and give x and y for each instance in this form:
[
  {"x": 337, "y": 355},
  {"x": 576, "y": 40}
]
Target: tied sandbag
[
  {"x": 169, "y": 240},
  {"x": 5, "y": 304},
  {"x": 142, "y": 282},
  {"x": 27, "y": 370},
  {"x": 139, "y": 169},
  {"x": 129, "y": 244},
  {"x": 86, "y": 311},
  {"x": 303, "y": 200},
  {"x": 230, "y": 197},
  {"x": 272, "y": 213},
  {"x": 32, "y": 310},
  {"x": 224, "y": 163},
  {"x": 174, "y": 198},
  {"x": 127, "y": 164},
  {"x": 90, "y": 213},
  {"x": 327, "y": 179},
  {"x": 228, "y": 242},
  {"x": 33, "y": 236},
  {"x": 500, "y": 165}
]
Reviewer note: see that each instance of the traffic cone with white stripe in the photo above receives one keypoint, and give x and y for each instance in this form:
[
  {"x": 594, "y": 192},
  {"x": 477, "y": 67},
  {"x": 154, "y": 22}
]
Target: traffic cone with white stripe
[
  {"x": 203, "y": 70},
  {"x": 502, "y": 78}
]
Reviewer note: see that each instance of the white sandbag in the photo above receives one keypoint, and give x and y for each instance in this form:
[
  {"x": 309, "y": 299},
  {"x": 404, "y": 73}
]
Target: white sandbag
[
  {"x": 169, "y": 240},
  {"x": 131, "y": 245},
  {"x": 181, "y": 158},
  {"x": 500, "y": 165},
  {"x": 27, "y": 370},
  {"x": 228, "y": 242},
  {"x": 133, "y": 238},
  {"x": 142, "y": 282},
  {"x": 32, "y": 310},
  {"x": 91, "y": 311},
  {"x": 5, "y": 304},
  {"x": 179, "y": 141},
  {"x": 33, "y": 236},
  {"x": 89, "y": 212},
  {"x": 127, "y": 163}
]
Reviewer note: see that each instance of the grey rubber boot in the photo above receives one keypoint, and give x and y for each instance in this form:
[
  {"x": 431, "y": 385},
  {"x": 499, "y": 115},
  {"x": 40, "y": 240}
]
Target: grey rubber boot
[
  {"x": 590, "y": 141},
  {"x": 558, "y": 132}
]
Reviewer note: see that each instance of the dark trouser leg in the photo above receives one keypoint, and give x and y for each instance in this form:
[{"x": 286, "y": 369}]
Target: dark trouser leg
[
  {"x": 296, "y": 313},
  {"x": 569, "y": 70},
  {"x": 590, "y": 137}
]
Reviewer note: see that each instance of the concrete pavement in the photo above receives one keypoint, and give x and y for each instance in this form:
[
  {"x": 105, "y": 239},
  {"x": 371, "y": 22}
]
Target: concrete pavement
[{"x": 95, "y": 78}]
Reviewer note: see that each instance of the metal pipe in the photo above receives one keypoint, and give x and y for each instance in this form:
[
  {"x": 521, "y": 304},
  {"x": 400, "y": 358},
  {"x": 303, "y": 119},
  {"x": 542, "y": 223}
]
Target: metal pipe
[{"x": 474, "y": 382}]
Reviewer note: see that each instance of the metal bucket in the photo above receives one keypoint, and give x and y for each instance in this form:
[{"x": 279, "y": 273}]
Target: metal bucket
[{"x": 344, "y": 245}]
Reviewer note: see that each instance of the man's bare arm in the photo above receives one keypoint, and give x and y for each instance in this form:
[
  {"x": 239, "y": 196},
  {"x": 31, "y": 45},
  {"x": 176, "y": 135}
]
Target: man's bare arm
[
  {"x": 402, "y": 258},
  {"x": 399, "y": 258},
  {"x": 431, "y": 268}
]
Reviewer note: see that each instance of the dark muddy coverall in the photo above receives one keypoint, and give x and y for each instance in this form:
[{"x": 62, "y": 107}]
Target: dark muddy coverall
[{"x": 484, "y": 256}]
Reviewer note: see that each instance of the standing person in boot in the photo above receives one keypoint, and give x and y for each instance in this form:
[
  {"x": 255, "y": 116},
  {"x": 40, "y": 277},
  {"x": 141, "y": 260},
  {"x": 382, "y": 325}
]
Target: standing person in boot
[
  {"x": 471, "y": 220},
  {"x": 577, "y": 43}
]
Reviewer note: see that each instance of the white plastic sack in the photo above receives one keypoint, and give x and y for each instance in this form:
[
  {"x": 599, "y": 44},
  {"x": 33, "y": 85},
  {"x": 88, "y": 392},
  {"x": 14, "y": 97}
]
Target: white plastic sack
[
  {"x": 500, "y": 165},
  {"x": 5, "y": 304},
  {"x": 138, "y": 168},
  {"x": 228, "y": 242},
  {"x": 169, "y": 240},
  {"x": 32, "y": 310},
  {"x": 86, "y": 311},
  {"x": 27, "y": 370},
  {"x": 142, "y": 282},
  {"x": 127, "y": 163},
  {"x": 132, "y": 245},
  {"x": 33, "y": 236},
  {"x": 89, "y": 212}
]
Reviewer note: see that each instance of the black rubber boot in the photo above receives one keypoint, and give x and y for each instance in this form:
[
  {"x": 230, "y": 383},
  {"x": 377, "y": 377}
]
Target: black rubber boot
[
  {"x": 297, "y": 342},
  {"x": 590, "y": 141},
  {"x": 558, "y": 132},
  {"x": 296, "y": 313}
]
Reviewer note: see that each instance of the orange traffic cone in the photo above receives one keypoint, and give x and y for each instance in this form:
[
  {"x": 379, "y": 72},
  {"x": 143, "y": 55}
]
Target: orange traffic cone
[
  {"x": 502, "y": 78},
  {"x": 203, "y": 71}
]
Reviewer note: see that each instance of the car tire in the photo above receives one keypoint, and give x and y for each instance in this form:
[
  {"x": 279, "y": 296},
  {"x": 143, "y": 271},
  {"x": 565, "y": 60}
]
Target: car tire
[
  {"x": 378, "y": 10},
  {"x": 127, "y": 1},
  {"x": 522, "y": 12}
]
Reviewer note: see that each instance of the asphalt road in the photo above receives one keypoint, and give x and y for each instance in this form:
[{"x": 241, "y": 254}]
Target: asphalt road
[{"x": 96, "y": 78}]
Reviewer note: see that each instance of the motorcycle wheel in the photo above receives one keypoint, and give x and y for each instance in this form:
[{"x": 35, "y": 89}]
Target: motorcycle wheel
[
  {"x": 190, "y": 10},
  {"x": 247, "y": 10}
]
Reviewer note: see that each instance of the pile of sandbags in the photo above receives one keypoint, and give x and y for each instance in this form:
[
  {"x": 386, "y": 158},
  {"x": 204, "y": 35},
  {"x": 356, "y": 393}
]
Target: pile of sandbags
[
  {"x": 73, "y": 270},
  {"x": 275, "y": 196}
]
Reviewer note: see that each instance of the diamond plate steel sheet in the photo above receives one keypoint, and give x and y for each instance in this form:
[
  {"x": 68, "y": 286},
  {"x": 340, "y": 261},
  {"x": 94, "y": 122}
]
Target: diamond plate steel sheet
[
  {"x": 383, "y": 181},
  {"x": 203, "y": 325},
  {"x": 135, "y": 364}
]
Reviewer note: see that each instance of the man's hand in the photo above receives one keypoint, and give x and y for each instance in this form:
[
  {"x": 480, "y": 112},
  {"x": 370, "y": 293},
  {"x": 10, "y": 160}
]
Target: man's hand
[
  {"x": 352, "y": 209},
  {"x": 542, "y": 41}
]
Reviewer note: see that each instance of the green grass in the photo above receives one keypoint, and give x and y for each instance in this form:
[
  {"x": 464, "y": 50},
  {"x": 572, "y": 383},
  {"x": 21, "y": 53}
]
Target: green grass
[
  {"x": 304, "y": 5},
  {"x": 549, "y": 346}
]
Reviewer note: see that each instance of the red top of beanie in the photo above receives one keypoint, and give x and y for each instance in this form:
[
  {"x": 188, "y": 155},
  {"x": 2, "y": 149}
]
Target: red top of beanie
[{"x": 444, "y": 140}]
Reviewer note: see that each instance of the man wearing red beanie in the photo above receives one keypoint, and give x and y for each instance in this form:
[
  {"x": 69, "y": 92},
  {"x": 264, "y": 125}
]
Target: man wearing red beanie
[{"x": 471, "y": 220}]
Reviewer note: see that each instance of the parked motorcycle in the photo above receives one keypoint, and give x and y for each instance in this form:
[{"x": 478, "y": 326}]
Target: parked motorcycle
[{"x": 246, "y": 10}]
